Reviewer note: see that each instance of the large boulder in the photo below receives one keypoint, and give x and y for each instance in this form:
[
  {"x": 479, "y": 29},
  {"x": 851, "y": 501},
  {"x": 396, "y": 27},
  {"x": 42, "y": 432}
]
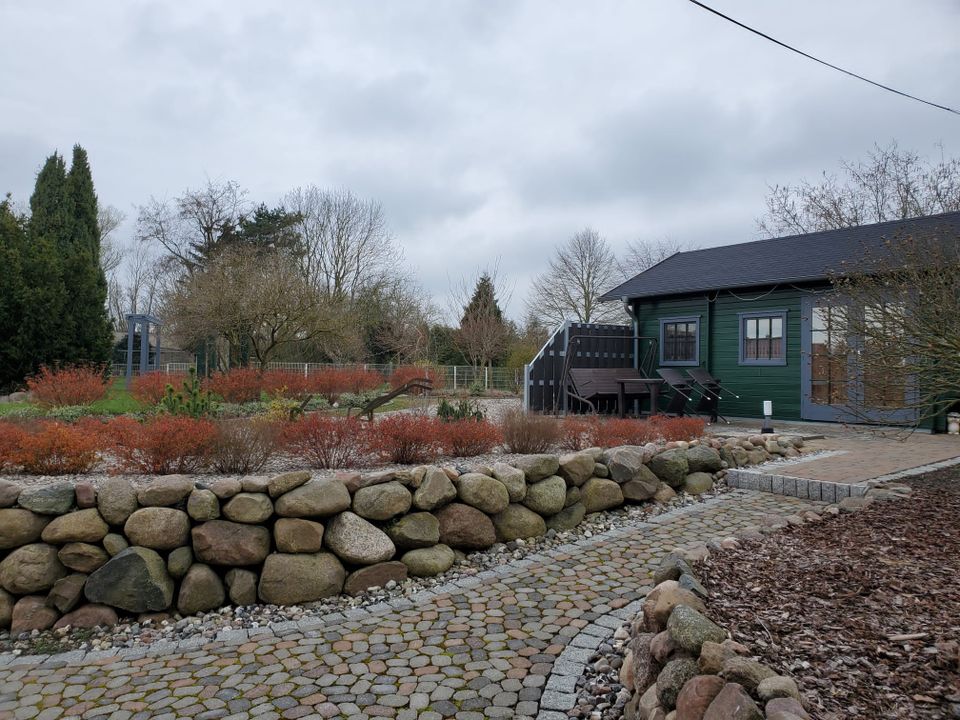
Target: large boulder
[
  {"x": 435, "y": 490},
  {"x": 598, "y": 494},
  {"x": 296, "y": 535},
  {"x": 54, "y": 499},
  {"x": 201, "y": 590},
  {"x": 643, "y": 487},
  {"x": 427, "y": 562},
  {"x": 80, "y": 526},
  {"x": 88, "y": 617},
  {"x": 224, "y": 488},
  {"x": 696, "y": 696},
  {"x": 114, "y": 543},
  {"x": 690, "y": 629},
  {"x": 20, "y": 527},
  {"x": 576, "y": 468},
  {"x": 697, "y": 483},
  {"x": 203, "y": 505},
  {"x": 31, "y": 568},
  {"x": 357, "y": 541},
  {"x": 537, "y": 467},
  {"x": 221, "y": 542},
  {"x": 165, "y": 491},
  {"x": 547, "y": 497},
  {"x": 285, "y": 482},
  {"x": 416, "y": 530},
  {"x": 134, "y": 580},
  {"x": 32, "y": 613},
  {"x": 82, "y": 557},
  {"x": 9, "y": 492},
  {"x": 7, "y": 602},
  {"x": 241, "y": 586},
  {"x": 624, "y": 462},
  {"x": 375, "y": 576},
  {"x": 67, "y": 592},
  {"x": 513, "y": 479},
  {"x": 159, "y": 528},
  {"x": 703, "y": 458},
  {"x": 298, "y": 578},
  {"x": 249, "y": 508},
  {"x": 516, "y": 521},
  {"x": 568, "y": 518},
  {"x": 670, "y": 466},
  {"x": 382, "y": 502},
  {"x": 671, "y": 680},
  {"x": 318, "y": 498},
  {"x": 746, "y": 672},
  {"x": 465, "y": 527},
  {"x": 116, "y": 500},
  {"x": 483, "y": 492},
  {"x": 733, "y": 703}
]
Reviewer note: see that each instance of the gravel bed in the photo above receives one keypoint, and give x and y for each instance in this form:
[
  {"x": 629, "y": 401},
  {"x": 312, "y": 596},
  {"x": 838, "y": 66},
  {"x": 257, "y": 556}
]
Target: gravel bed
[{"x": 132, "y": 633}]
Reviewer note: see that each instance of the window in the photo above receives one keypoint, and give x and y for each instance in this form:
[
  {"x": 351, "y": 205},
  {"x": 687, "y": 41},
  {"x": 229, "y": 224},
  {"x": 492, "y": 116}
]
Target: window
[
  {"x": 680, "y": 341},
  {"x": 763, "y": 339}
]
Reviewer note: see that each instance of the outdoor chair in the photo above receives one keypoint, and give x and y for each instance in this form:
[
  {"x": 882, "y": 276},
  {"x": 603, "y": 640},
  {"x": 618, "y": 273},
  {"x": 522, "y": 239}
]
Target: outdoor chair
[
  {"x": 710, "y": 393},
  {"x": 682, "y": 390},
  {"x": 589, "y": 385}
]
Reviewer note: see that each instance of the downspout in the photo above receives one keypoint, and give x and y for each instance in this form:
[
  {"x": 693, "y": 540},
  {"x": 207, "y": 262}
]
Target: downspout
[{"x": 635, "y": 323}]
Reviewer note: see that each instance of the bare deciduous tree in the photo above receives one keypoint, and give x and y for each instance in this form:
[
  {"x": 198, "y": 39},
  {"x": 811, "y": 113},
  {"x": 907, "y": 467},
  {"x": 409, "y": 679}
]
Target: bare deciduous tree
[
  {"x": 580, "y": 271},
  {"x": 898, "y": 313},
  {"x": 252, "y": 300},
  {"x": 346, "y": 246},
  {"x": 644, "y": 254},
  {"x": 890, "y": 184},
  {"x": 190, "y": 227}
]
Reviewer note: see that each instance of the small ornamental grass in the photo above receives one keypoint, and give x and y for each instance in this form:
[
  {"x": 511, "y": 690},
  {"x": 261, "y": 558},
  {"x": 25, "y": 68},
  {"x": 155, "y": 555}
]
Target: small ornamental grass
[
  {"x": 526, "y": 433},
  {"x": 68, "y": 385},
  {"x": 243, "y": 445}
]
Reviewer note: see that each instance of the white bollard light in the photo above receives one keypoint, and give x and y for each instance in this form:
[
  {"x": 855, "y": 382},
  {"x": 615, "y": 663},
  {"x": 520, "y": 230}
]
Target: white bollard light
[{"x": 767, "y": 415}]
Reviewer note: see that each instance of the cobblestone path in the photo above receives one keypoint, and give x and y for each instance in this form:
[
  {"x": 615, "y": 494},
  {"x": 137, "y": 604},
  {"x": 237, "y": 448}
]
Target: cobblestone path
[{"x": 502, "y": 644}]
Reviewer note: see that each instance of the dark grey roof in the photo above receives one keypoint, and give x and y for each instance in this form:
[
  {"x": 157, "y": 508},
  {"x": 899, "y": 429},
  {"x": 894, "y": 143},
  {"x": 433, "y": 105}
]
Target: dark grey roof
[{"x": 783, "y": 260}]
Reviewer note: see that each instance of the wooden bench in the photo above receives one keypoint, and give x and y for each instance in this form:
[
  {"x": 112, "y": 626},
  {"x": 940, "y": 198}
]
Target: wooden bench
[{"x": 589, "y": 384}]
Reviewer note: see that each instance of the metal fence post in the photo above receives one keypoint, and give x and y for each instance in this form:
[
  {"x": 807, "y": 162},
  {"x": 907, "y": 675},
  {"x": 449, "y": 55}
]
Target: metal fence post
[
  {"x": 454, "y": 377},
  {"x": 486, "y": 378}
]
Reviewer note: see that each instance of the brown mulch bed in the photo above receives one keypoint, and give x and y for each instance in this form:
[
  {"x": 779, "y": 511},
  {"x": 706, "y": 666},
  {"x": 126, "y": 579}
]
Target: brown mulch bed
[{"x": 862, "y": 610}]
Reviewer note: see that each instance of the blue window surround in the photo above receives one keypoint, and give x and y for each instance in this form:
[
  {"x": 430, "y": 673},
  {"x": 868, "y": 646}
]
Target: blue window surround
[
  {"x": 681, "y": 363},
  {"x": 741, "y": 317}
]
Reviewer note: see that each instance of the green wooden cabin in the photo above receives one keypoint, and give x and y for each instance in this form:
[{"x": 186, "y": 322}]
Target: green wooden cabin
[{"x": 753, "y": 315}]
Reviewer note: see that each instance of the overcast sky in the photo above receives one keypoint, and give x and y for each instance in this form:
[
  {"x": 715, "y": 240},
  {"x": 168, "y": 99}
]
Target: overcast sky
[{"x": 488, "y": 129}]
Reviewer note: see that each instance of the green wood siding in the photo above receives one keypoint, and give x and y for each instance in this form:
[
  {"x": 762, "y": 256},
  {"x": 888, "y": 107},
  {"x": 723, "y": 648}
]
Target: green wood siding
[{"x": 720, "y": 346}]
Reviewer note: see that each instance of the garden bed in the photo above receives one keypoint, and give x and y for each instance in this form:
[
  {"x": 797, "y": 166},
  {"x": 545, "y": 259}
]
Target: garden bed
[{"x": 863, "y": 610}]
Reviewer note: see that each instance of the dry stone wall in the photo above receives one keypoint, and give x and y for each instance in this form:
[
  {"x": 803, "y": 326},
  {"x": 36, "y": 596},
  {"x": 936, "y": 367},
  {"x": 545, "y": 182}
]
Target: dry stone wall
[{"x": 80, "y": 555}]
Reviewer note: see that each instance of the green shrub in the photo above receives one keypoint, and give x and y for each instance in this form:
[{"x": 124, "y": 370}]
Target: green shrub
[
  {"x": 192, "y": 402},
  {"x": 463, "y": 410},
  {"x": 69, "y": 413}
]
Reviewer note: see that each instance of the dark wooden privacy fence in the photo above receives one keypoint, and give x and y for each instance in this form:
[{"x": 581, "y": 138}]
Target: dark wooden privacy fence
[{"x": 584, "y": 345}]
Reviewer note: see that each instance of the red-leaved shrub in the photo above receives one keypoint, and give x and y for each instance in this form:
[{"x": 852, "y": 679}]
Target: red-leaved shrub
[
  {"x": 578, "y": 432},
  {"x": 407, "y": 438},
  {"x": 678, "y": 428},
  {"x": 406, "y": 373},
  {"x": 285, "y": 384},
  {"x": 151, "y": 387},
  {"x": 54, "y": 448},
  {"x": 466, "y": 438},
  {"x": 613, "y": 432},
  {"x": 11, "y": 437},
  {"x": 68, "y": 385},
  {"x": 243, "y": 445},
  {"x": 330, "y": 383},
  {"x": 326, "y": 441},
  {"x": 162, "y": 445},
  {"x": 239, "y": 385},
  {"x": 525, "y": 432}
]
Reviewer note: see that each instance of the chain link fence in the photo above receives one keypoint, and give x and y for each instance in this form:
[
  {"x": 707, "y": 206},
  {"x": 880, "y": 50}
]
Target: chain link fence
[{"x": 453, "y": 377}]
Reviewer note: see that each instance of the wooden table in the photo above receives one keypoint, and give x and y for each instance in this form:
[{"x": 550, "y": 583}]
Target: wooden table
[{"x": 652, "y": 387}]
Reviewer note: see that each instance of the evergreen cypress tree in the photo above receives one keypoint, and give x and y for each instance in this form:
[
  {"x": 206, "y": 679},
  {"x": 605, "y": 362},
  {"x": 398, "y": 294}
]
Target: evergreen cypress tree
[
  {"x": 12, "y": 246},
  {"x": 44, "y": 325},
  {"x": 85, "y": 282}
]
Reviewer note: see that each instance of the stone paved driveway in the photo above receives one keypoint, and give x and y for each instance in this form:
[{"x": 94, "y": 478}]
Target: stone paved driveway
[{"x": 505, "y": 644}]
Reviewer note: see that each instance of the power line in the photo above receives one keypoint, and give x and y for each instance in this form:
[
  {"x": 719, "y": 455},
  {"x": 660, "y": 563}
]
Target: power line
[{"x": 823, "y": 62}]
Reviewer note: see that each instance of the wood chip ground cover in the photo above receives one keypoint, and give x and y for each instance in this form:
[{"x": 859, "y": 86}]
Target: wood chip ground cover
[{"x": 863, "y": 610}]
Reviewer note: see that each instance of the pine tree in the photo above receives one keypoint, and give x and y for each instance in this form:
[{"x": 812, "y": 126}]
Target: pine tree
[
  {"x": 85, "y": 282},
  {"x": 483, "y": 303},
  {"x": 12, "y": 246}
]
